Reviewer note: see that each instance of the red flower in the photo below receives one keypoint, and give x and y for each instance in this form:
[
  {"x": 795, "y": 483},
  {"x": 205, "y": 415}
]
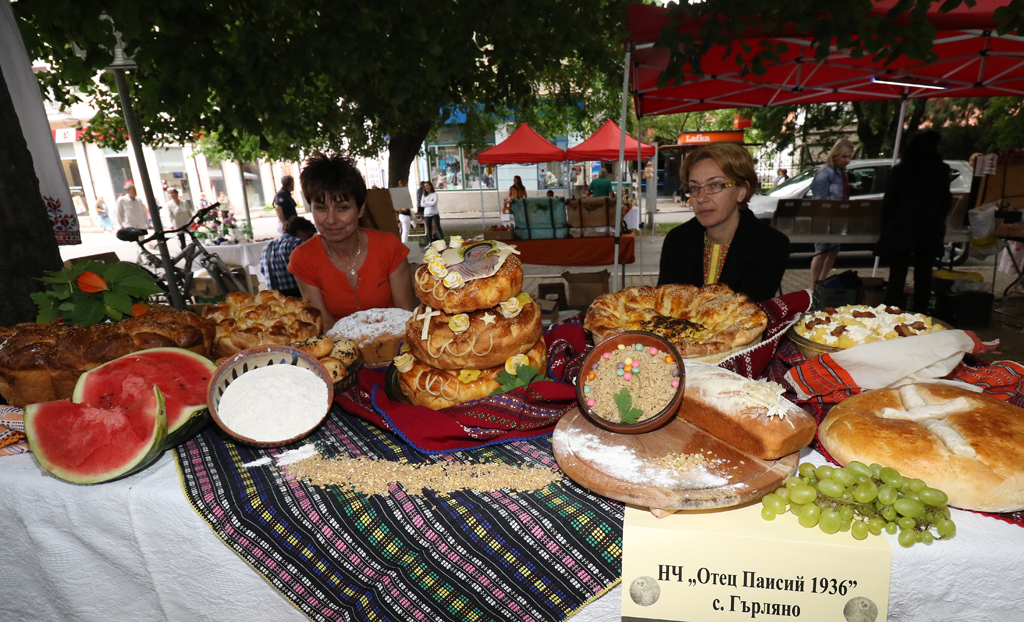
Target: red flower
[
  {"x": 91, "y": 283},
  {"x": 139, "y": 308}
]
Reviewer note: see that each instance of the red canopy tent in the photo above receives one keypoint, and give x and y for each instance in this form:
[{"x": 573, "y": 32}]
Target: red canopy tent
[
  {"x": 523, "y": 146},
  {"x": 604, "y": 145},
  {"x": 973, "y": 61}
]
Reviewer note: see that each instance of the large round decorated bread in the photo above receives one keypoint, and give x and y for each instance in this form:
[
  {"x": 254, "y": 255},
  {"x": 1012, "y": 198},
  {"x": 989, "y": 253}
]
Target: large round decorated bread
[
  {"x": 440, "y": 388},
  {"x": 967, "y": 444},
  {"x": 268, "y": 318},
  {"x": 468, "y": 277},
  {"x": 43, "y": 363},
  {"x": 701, "y": 322},
  {"x": 475, "y": 340}
]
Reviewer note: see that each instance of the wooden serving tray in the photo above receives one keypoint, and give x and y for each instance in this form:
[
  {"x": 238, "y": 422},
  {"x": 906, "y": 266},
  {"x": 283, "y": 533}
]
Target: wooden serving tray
[{"x": 625, "y": 467}]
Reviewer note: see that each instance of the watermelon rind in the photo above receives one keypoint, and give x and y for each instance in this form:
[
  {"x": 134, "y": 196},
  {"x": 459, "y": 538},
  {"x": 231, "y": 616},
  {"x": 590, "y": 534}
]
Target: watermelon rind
[
  {"x": 75, "y": 434},
  {"x": 184, "y": 420}
]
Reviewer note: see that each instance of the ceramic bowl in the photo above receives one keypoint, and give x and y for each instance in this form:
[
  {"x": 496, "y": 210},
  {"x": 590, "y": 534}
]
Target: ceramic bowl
[
  {"x": 629, "y": 339},
  {"x": 810, "y": 349},
  {"x": 231, "y": 368}
]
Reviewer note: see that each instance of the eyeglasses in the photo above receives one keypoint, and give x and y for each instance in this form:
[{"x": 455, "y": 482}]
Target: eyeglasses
[{"x": 713, "y": 188}]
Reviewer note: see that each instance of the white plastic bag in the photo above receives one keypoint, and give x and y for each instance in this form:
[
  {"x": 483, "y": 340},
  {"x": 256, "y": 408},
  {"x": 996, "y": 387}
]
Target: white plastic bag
[
  {"x": 1006, "y": 262},
  {"x": 983, "y": 227}
]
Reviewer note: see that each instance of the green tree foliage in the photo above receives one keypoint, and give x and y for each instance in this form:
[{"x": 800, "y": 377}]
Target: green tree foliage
[{"x": 341, "y": 75}]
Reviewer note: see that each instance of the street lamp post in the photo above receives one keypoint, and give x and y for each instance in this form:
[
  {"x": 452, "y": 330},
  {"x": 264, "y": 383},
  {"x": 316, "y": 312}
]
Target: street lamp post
[{"x": 118, "y": 66}]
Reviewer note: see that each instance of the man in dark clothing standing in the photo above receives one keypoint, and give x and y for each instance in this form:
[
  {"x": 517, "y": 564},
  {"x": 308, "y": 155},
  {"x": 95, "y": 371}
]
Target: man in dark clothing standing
[
  {"x": 284, "y": 204},
  {"x": 419, "y": 203}
]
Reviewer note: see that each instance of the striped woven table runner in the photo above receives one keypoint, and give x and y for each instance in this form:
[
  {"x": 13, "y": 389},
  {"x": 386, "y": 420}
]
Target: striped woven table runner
[{"x": 514, "y": 556}]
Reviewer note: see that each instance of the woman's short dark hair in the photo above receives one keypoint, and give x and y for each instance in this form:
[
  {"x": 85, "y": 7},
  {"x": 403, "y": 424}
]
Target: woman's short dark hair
[{"x": 333, "y": 176}]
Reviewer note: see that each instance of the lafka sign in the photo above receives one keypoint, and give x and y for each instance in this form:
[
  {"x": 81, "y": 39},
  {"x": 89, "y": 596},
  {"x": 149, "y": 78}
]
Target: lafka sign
[{"x": 704, "y": 138}]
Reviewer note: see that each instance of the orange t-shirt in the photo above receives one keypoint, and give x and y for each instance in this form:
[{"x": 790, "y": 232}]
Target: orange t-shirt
[{"x": 311, "y": 265}]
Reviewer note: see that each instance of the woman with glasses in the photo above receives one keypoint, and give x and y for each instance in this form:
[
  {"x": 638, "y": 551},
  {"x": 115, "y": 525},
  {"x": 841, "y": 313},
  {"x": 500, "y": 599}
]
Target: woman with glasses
[{"x": 724, "y": 242}]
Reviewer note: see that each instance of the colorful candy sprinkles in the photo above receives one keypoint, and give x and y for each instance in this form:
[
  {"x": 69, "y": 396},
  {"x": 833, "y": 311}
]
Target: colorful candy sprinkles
[{"x": 649, "y": 374}]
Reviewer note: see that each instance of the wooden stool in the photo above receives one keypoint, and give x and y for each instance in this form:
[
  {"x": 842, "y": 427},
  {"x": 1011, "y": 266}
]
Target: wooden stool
[{"x": 558, "y": 289}]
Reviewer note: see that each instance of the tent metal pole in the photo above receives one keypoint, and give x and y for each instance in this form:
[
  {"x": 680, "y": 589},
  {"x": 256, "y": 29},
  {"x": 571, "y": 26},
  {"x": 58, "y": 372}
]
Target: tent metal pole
[
  {"x": 616, "y": 283},
  {"x": 899, "y": 129},
  {"x": 639, "y": 185}
]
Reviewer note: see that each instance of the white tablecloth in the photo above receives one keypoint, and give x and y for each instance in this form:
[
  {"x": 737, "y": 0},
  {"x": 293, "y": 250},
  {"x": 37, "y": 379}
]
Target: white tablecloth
[
  {"x": 135, "y": 550},
  {"x": 246, "y": 255}
]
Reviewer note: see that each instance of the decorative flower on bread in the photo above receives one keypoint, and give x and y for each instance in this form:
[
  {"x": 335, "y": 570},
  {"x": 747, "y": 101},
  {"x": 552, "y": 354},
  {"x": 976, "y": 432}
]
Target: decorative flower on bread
[
  {"x": 524, "y": 298},
  {"x": 455, "y": 241},
  {"x": 431, "y": 255},
  {"x": 439, "y": 245},
  {"x": 437, "y": 268},
  {"x": 515, "y": 361},
  {"x": 453, "y": 280},
  {"x": 469, "y": 375},
  {"x": 403, "y": 362},
  {"x": 459, "y": 323},
  {"x": 511, "y": 307},
  {"x": 402, "y": 349}
]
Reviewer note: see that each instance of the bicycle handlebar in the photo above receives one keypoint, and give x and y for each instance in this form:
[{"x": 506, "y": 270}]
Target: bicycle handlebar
[{"x": 129, "y": 234}]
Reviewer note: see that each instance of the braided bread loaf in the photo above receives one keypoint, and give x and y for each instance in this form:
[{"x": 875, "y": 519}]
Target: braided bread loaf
[
  {"x": 43, "y": 363},
  {"x": 269, "y": 318}
]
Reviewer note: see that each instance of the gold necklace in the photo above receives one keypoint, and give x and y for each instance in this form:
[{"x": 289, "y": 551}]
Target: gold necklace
[{"x": 351, "y": 269}]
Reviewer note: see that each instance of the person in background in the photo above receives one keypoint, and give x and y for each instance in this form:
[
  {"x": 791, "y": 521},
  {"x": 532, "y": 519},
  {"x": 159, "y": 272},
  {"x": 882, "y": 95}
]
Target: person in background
[
  {"x": 517, "y": 190},
  {"x": 284, "y": 204},
  {"x": 103, "y": 215},
  {"x": 174, "y": 213},
  {"x": 203, "y": 201},
  {"x": 225, "y": 205},
  {"x": 601, "y": 186},
  {"x": 404, "y": 217},
  {"x": 130, "y": 211},
  {"x": 914, "y": 210},
  {"x": 431, "y": 213},
  {"x": 419, "y": 203},
  {"x": 724, "y": 242},
  {"x": 782, "y": 175},
  {"x": 345, "y": 268},
  {"x": 830, "y": 182},
  {"x": 275, "y": 256}
]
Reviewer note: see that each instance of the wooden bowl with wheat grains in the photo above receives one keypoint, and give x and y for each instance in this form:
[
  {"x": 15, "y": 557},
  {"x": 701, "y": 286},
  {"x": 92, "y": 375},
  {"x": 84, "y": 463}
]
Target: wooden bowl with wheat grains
[
  {"x": 637, "y": 364},
  {"x": 269, "y": 396}
]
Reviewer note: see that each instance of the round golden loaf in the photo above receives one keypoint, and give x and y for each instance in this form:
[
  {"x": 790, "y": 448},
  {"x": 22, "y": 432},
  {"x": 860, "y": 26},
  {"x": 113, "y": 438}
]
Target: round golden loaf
[
  {"x": 474, "y": 294},
  {"x": 489, "y": 339},
  {"x": 980, "y": 466},
  {"x": 438, "y": 388}
]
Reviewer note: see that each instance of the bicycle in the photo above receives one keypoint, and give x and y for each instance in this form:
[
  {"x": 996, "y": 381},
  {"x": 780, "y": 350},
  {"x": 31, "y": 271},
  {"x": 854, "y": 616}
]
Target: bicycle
[{"x": 183, "y": 262}]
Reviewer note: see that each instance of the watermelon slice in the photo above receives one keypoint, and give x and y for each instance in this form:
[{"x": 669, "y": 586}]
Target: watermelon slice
[
  {"x": 88, "y": 444},
  {"x": 182, "y": 376}
]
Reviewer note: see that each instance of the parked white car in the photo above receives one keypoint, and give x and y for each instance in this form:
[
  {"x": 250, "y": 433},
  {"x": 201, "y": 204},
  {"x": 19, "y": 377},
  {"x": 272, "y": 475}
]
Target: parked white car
[{"x": 867, "y": 181}]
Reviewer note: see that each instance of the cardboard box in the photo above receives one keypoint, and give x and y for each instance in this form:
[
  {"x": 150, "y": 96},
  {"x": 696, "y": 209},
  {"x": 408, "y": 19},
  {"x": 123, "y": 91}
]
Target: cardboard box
[
  {"x": 507, "y": 234},
  {"x": 584, "y": 287},
  {"x": 548, "y": 310}
]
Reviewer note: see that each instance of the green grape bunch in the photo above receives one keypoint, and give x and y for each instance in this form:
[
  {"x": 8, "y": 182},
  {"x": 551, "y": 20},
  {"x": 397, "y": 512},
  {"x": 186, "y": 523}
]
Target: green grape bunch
[{"x": 863, "y": 500}]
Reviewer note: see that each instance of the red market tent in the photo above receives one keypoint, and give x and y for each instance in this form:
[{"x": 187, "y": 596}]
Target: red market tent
[
  {"x": 523, "y": 146},
  {"x": 604, "y": 145},
  {"x": 973, "y": 61}
]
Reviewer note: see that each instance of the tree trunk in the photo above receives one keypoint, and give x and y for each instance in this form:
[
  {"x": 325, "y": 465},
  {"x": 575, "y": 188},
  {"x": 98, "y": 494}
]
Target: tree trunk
[
  {"x": 403, "y": 147},
  {"x": 27, "y": 244}
]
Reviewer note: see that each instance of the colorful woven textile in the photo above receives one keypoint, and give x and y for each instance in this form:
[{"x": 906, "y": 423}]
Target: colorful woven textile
[
  {"x": 499, "y": 556},
  {"x": 12, "y": 431}
]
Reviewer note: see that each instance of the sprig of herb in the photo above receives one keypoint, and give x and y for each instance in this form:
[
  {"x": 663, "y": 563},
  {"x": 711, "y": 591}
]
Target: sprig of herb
[
  {"x": 113, "y": 289},
  {"x": 627, "y": 413},
  {"x": 525, "y": 374}
]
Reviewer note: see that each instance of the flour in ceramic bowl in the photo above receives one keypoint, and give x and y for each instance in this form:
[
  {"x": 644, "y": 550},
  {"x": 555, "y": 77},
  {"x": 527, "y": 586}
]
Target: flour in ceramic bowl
[{"x": 273, "y": 403}]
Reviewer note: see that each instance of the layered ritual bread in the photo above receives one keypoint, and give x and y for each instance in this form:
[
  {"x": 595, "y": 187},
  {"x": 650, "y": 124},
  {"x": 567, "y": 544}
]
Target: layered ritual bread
[
  {"x": 269, "y": 318},
  {"x": 377, "y": 332},
  {"x": 852, "y": 325},
  {"x": 473, "y": 323},
  {"x": 43, "y": 363},
  {"x": 750, "y": 415},
  {"x": 708, "y": 322},
  {"x": 967, "y": 444}
]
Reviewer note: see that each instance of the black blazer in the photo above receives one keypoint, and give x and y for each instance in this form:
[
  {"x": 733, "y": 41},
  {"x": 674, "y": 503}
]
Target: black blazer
[{"x": 754, "y": 266}]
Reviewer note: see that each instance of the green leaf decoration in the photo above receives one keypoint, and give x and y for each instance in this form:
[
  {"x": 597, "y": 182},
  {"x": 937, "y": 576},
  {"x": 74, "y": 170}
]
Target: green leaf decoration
[
  {"x": 525, "y": 374},
  {"x": 627, "y": 413},
  {"x": 118, "y": 301},
  {"x": 127, "y": 283}
]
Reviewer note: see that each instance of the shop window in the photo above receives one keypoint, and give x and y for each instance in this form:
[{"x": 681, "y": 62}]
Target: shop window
[
  {"x": 551, "y": 175},
  {"x": 69, "y": 162},
  {"x": 253, "y": 185},
  {"x": 171, "y": 165},
  {"x": 120, "y": 169},
  {"x": 446, "y": 170}
]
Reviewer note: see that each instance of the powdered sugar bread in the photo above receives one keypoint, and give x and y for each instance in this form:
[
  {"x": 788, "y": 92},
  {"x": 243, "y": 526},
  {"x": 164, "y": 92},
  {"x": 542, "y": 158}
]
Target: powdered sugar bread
[
  {"x": 377, "y": 332},
  {"x": 748, "y": 414}
]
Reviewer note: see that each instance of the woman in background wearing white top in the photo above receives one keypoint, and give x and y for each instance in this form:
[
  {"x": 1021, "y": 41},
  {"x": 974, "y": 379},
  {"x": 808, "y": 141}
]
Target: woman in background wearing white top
[{"x": 431, "y": 215}]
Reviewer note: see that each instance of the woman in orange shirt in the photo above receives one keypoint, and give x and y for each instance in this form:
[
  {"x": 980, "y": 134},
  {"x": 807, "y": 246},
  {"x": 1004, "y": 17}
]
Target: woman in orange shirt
[
  {"x": 345, "y": 268},
  {"x": 517, "y": 190}
]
